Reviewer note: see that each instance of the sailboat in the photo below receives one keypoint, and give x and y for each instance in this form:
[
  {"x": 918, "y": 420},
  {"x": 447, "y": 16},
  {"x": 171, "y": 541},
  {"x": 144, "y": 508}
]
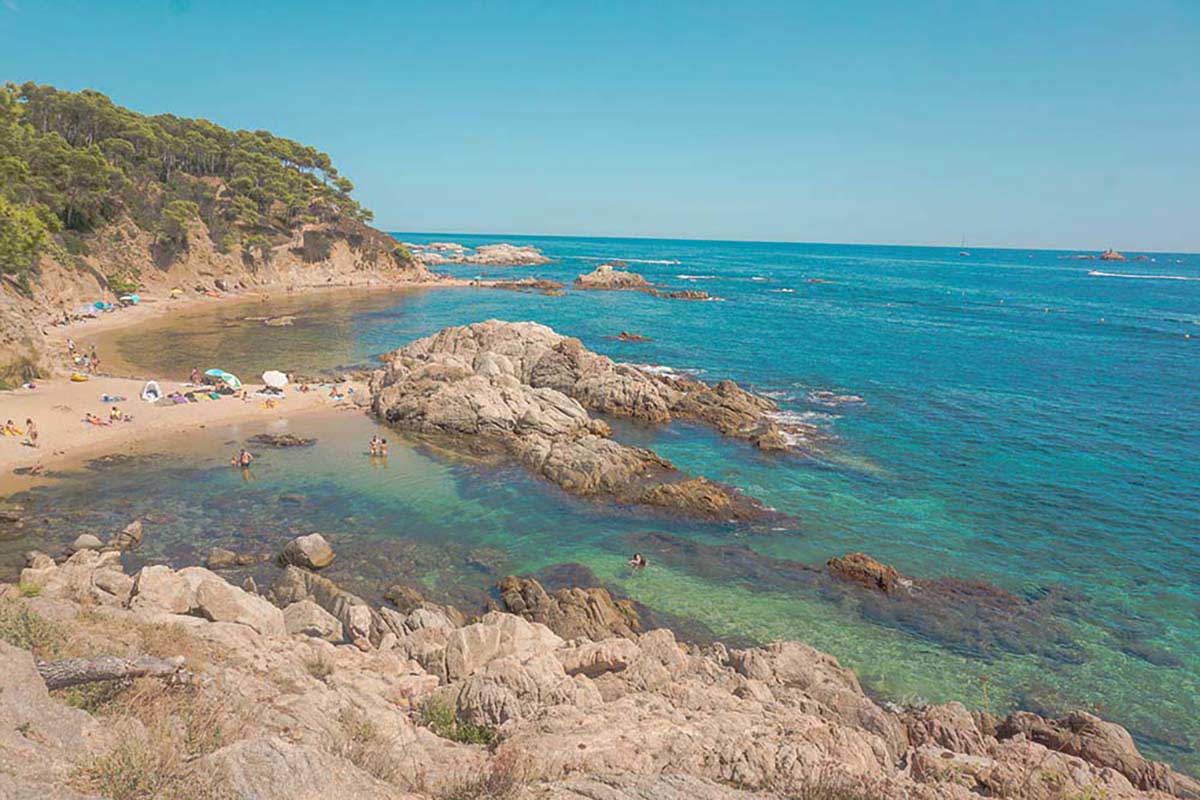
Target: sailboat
[{"x": 964, "y": 251}]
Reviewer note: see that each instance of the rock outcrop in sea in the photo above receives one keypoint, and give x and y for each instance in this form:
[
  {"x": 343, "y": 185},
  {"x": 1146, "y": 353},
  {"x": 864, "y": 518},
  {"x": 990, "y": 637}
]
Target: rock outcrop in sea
[
  {"x": 319, "y": 694},
  {"x": 487, "y": 255},
  {"x": 615, "y": 277},
  {"x": 521, "y": 389}
]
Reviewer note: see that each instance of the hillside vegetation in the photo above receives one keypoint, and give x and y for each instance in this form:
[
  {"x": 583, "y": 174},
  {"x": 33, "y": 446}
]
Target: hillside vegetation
[{"x": 97, "y": 199}]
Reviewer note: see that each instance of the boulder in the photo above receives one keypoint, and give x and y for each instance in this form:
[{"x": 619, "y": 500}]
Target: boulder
[
  {"x": 85, "y": 541},
  {"x": 128, "y": 538},
  {"x": 159, "y": 588},
  {"x": 217, "y": 601},
  {"x": 610, "y": 277},
  {"x": 309, "y": 619},
  {"x": 310, "y": 552}
]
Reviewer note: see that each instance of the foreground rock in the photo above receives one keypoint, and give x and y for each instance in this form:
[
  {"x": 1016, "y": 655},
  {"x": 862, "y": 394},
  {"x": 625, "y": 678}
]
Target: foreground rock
[
  {"x": 571, "y": 613},
  {"x": 520, "y": 389},
  {"x": 628, "y": 717}
]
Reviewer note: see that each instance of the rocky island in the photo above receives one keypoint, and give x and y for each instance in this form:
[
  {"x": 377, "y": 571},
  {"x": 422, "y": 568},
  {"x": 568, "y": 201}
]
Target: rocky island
[
  {"x": 614, "y": 276},
  {"x": 488, "y": 255},
  {"x": 521, "y": 389}
]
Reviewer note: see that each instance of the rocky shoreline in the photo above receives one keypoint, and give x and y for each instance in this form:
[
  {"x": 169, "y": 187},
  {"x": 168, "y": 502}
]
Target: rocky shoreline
[
  {"x": 560, "y": 695},
  {"x": 522, "y": 390}
]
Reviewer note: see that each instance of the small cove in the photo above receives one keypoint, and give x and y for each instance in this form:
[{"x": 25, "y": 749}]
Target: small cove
[{"x": 994, "y": 440}]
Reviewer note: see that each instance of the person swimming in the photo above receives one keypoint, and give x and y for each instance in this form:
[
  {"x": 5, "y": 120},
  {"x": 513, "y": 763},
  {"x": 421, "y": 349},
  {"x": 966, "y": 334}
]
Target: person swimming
[
  {"x": 242, "y": 459},
  {"x": 383, "y": 447},
  {"x": 638, "y": 561},
  {"x": 374, "y": 446}
]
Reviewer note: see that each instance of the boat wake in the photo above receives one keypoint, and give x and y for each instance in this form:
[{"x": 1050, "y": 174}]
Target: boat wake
[{"x": 1097, "y": 273}]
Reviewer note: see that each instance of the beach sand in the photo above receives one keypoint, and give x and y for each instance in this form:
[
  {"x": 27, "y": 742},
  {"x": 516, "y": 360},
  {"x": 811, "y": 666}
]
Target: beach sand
[{"x": 58, "y": 408}]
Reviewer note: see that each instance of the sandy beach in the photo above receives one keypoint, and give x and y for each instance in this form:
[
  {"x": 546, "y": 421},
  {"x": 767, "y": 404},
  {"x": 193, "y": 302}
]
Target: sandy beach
[
  {"x": 58, "y": 405},
  {"x": 58, "y": 408}
]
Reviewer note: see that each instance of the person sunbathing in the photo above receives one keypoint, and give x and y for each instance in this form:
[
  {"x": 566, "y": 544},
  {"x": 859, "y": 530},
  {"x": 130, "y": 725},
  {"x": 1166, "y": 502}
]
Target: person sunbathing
[
  {"x": 92, "y": 419},
  {"x": 11, "y": 429},
  {"x": 115, "y": 415}
]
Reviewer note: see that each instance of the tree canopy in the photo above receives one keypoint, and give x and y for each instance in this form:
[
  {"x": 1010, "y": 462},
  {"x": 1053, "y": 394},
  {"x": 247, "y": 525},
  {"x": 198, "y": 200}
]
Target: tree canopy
[{"x": 73, "y": 161}]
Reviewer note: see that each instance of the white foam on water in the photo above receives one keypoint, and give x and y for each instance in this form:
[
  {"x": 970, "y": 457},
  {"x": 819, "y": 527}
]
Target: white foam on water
[
  {"x": 1098, "y": 274},
  {"x": 783, "y": 291},
  {"x": 627, "y": 260},
  {"x": 824, "y": 397},
  {"x": 695, "y": 277},
  {"x": 669, "y": 372},
  {"x": 801, "y": 417}
]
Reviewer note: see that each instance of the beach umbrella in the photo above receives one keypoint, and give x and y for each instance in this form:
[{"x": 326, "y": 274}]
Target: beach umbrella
[
  {"x": 214, "y": 373},
  {"x": 231, "y": 380},
  {"x": 275, "y": 379}
]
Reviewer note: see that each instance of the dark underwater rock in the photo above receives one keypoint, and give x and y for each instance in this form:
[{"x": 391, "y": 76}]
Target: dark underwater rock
[{"x": 281, "y": 440}]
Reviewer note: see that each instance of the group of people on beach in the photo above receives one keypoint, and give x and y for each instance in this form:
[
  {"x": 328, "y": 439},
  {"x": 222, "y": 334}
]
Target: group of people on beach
[
  {"x": 86, "y": 361},
  {"x": 30, "y": 431}
]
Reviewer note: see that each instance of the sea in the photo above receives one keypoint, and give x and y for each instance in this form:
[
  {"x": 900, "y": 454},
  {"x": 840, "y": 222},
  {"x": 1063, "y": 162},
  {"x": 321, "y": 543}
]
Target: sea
[{"x": 1025, "y": 420}]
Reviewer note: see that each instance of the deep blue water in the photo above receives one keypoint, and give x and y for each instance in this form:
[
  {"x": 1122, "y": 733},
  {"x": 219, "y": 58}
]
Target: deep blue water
[{"x": 1003, "y": 417}]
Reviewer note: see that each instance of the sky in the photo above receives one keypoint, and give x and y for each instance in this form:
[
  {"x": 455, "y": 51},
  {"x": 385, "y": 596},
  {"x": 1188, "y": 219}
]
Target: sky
[{"x": 1069, "y": 124}]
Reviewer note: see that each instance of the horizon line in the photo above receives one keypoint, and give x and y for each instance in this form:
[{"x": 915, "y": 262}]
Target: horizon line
[{"x": 1079, "y": 250}]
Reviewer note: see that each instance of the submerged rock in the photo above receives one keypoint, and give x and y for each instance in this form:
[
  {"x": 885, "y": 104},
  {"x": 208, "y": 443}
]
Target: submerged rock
[
  {"x": 220, "y": 558},
  {"x": 281, "y": 440},
  {"x": 861, "y": 568}
]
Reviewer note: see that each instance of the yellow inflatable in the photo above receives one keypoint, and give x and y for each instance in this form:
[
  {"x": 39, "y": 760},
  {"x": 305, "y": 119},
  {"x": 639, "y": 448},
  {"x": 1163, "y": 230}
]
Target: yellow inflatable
[{"x": 78, "y": 377}]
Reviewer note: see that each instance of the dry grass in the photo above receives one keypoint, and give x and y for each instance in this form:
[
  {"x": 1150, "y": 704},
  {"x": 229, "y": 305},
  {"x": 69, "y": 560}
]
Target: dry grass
[
  {"x": 828, "y": 782},
  {"x": 358, "y": 741},
  {"x": 22, "y": 628},
  {"x": 319, "y": 665},
  {"x": 502, "y": 778},
  {"x": 156, "y": 759}
]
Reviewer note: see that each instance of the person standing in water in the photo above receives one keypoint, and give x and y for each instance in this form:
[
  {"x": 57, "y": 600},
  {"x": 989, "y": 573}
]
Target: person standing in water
[{"x": 242, "y": 459}]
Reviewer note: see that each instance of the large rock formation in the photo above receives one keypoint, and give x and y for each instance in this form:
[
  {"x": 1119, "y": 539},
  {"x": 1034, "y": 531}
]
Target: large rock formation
[
  {"x": 629, "y": 717},
  {"x": 522, "y": 389},
  {"x": 570, "y": 612}
]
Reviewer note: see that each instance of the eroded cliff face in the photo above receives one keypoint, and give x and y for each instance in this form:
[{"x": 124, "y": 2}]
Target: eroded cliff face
[
  {"x": 317, "y": 254},
  {"x": 311, "y": 692}
]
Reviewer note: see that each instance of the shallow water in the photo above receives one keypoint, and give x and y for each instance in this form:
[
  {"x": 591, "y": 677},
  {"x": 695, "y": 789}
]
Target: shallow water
[{"x": 1005, "y": 417}]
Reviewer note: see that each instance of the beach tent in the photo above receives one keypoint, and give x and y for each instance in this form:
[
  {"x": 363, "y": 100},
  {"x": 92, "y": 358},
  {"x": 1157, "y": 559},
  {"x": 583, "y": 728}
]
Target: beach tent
[
  {"x": 132, "y": 299},
  {"x": 275, "y": 379},
  {"x": 150, "y": 392}
]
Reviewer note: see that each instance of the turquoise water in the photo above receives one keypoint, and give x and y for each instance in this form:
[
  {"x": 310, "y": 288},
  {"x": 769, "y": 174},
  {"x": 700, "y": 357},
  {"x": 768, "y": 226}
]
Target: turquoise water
[{"x": 1004, "y": 417}]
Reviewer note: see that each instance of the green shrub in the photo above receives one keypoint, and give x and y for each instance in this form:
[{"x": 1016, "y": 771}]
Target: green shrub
[
  {"x": 441, "y": 718},
  {"x": 121, "y": 284}
]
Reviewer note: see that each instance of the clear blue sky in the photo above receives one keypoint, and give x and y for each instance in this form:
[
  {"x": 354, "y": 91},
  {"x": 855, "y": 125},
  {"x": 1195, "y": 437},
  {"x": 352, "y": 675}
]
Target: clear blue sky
[{"x": 1072, "y": 123}]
